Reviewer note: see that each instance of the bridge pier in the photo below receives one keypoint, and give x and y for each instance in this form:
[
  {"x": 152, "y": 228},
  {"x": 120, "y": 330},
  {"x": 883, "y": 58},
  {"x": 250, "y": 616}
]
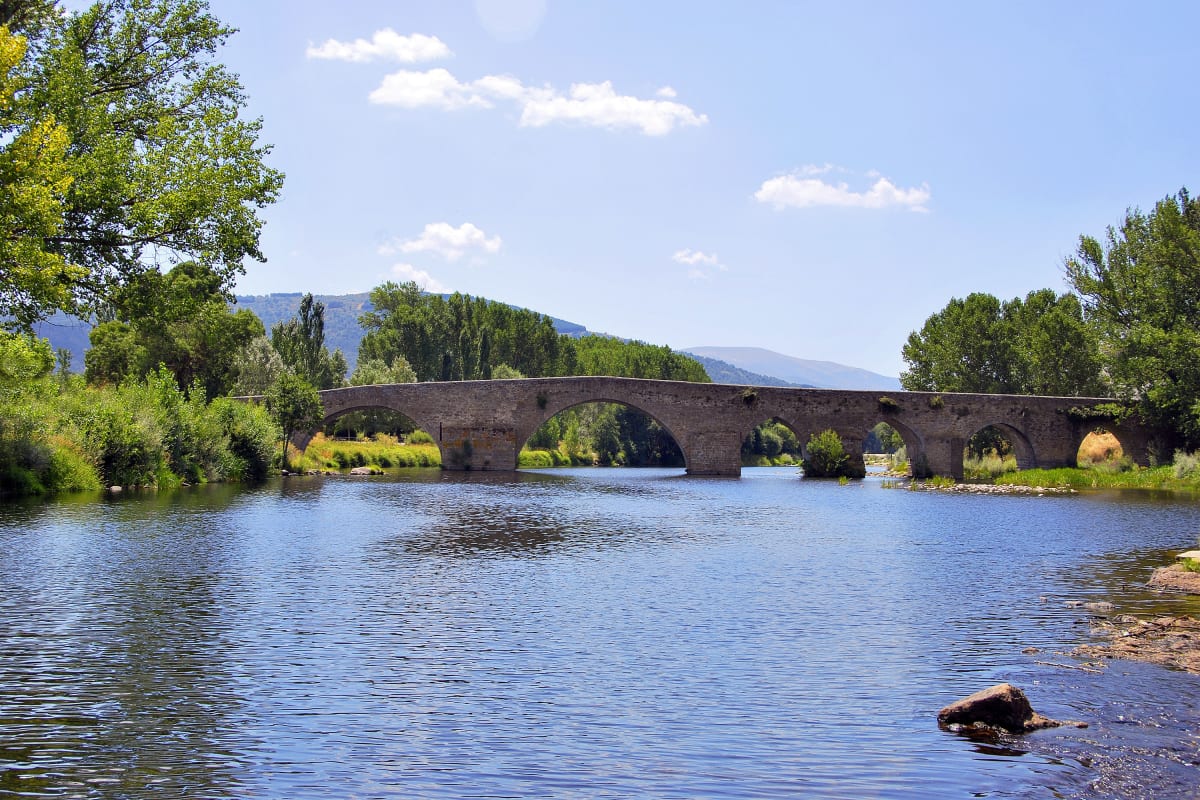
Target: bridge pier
[
  {"x": 477, "y": 448},
  {"x": 712, "y": 453},
  {"x": 943, "y": 455}
]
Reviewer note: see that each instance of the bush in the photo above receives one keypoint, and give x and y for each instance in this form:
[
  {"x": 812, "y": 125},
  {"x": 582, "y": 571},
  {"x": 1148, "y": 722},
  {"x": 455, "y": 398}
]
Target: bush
[
  {"x": 419, "y": 437},
  {"x": 827, "y": 458},
  {"x": 1186, "y": 465}
]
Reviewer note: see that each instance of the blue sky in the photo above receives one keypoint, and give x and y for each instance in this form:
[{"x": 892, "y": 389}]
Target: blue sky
[{"x": 813, "y": 178}]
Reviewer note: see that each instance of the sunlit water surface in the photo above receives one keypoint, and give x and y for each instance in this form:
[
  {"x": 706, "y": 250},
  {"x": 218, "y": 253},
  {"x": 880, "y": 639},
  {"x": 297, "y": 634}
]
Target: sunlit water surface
[{"x": 581, "y": 633}]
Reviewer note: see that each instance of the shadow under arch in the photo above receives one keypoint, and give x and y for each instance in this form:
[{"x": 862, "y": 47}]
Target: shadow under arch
[
  {"x": 549, "y": 412},
  {"x": 1022, "y": 448},
  {"x": 749, "y": 449}
]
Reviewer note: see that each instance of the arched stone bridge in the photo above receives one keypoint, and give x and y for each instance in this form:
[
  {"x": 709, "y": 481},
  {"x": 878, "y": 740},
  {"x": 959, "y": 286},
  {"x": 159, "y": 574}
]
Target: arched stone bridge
[{"x": 483, "y": 424}]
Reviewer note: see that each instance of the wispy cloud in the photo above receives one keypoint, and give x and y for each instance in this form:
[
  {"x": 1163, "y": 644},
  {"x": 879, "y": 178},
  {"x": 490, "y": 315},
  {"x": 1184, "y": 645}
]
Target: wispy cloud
[
  {"x": 407, "y": 272},
  {"x": 702, "y": 264},
  {"x": 443, "y": 239},
  {"x": 590, "y": 104},
  {"x": 384, "y": 45},
  {"x": 804, "y": 188}
]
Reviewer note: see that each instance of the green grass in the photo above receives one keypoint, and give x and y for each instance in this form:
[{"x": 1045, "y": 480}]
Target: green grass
[
  {"x": 530, "y": 458},
  {"x": 1092, "y": 478},
  {"x": 988, "y": 467},
  {"x": 381, "y": 451}
]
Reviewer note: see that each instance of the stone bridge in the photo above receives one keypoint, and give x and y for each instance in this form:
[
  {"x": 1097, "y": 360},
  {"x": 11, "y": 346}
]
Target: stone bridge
[{"x": 482, "y": 425}]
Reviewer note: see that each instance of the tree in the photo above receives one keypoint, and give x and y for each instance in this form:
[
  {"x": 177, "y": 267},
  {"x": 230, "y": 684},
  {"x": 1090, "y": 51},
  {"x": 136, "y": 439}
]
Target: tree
[
  {"x": 1141, "y": 291},
  {"x": 294, "y": 405},
  {"x": 826, "y": 456},
  {"x": 301, "y": 344},
  {"x": 258, "y": 366},
  {"x": 23, "y": 360},
  {"x": 180, "y": 320},
  {"x": 1039, "y": 345},
  {"x": 146, "y": 159},
  {"x": 373, "y": 372},
  {"x": 34, "y": 179}
]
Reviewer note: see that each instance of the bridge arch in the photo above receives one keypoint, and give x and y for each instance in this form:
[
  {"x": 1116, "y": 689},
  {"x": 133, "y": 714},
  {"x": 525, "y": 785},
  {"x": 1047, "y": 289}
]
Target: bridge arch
[
  {"x": 526, "y": 430},
  {"x": 1022, "y": 446},
  {"x": 796, "y": 431},
  {"x": 914, "y": 443}
]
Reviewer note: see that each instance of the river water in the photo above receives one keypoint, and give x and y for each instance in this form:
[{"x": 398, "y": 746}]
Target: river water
[{"x": 579, "y": 633}]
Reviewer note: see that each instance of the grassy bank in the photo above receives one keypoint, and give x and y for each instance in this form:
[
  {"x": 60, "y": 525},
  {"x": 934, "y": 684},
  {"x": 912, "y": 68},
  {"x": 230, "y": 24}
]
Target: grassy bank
[
  {"x": 59, "y": 435},
  {"x": 542, "y": 458},
  {"x": 381, "y": 450},
  {"x": 1165, "y": 477}
]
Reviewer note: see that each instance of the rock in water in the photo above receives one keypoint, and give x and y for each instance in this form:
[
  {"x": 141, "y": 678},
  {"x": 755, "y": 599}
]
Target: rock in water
[{"x": 1002, "y": 707}]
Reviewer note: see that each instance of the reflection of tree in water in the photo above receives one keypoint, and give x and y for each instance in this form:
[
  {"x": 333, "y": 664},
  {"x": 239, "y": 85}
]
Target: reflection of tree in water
[{"x": 116, "y": 678}]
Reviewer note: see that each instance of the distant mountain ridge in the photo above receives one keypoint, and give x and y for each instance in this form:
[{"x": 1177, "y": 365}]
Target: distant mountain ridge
[
  {"x": 748, "y": 366},
  {"x": 799, "y": 371}
]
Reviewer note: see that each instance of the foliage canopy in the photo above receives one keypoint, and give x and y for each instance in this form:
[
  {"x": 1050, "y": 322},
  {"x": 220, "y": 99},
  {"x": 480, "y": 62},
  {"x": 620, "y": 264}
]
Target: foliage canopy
[
  {"x": 1141, "y": 289},
  {"x": 123, "y": 152}
]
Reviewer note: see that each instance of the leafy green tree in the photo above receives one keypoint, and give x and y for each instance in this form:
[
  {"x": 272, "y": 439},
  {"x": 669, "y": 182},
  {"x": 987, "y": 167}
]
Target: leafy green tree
[
  {"x": 606, "y": 436},
  {"x": 373, "y": 372},
  {"x": 301, "y": 344},
  {"x": 294, "y": 405},
  {"x": 181, "y": 320},
  {"x": 605, "y": 355},
  {"x": 826, "y": 457},
  {"x": 116, "y": 354},
  {"x": 965, "y": 347},
  {"x": 1141, "y": 290},
  {"x": 257, "y": 365},
  {"x": 503, "y": 372},
  {"x": 23, "y": 360},
  {"x": 1057, "y": 352},
  {"x": 1039, "y": 345},
  {"x": 148, "y": 159},
  {"x": 460, "y": 337},
  {"x": 34, "y": 180}
]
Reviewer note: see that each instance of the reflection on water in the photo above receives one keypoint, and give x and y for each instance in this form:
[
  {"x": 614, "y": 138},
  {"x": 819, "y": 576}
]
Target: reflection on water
[{"x": 622, "y": 633}]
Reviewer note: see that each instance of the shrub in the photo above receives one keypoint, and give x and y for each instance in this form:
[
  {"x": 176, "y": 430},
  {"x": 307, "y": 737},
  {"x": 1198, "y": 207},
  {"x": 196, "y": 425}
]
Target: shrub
[
  {"x": 887, "y": 405},
  {"x": 419, "y": 437},
  {"x": 1186, "y": 465},
  {"x": 826, "y": 457}
]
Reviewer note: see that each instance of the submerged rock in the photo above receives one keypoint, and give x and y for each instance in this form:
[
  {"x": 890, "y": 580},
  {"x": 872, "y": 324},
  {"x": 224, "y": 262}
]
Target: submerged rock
[
  {"x": 1002, "y": 707},
  {"x": 366, "y": 471}
]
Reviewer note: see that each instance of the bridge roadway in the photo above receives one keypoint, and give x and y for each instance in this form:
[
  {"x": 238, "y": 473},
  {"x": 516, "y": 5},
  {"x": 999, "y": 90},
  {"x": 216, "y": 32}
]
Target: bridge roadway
[{"x": 482, "y": 425}]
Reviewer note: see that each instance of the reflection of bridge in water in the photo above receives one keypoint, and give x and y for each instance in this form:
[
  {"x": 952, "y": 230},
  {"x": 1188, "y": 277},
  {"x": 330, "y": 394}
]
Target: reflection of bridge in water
[{"x": 483, "y": 424}]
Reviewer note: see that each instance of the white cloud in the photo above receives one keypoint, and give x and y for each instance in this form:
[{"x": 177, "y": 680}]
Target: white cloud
[
  {"x": 447, "y": 241},
  {"x": 693, "y": 257},
  {"x": 667, "y": 92},
  {"x": 407, "y": 272},
  {"x": 803, "y": 189},
  {"x": 436, "y": 88},
  {"x": 702, "y": 264},
  {"x": 598, "y": 105},
  {"x": 385, "y": 45},
  {"x": 594, "y": 104}
]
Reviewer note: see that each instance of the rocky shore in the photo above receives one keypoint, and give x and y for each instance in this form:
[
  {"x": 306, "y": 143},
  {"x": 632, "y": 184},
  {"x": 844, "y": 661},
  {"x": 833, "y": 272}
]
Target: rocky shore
[{"x": 1169, "y": 641}]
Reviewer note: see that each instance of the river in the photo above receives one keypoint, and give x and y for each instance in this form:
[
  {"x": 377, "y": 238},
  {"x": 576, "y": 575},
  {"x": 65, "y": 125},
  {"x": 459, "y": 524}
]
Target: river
[{"x": 579, "y": 633}]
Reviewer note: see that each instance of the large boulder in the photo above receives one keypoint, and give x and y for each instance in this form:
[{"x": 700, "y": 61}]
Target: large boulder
[{"x": 1001, "y": 707}]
